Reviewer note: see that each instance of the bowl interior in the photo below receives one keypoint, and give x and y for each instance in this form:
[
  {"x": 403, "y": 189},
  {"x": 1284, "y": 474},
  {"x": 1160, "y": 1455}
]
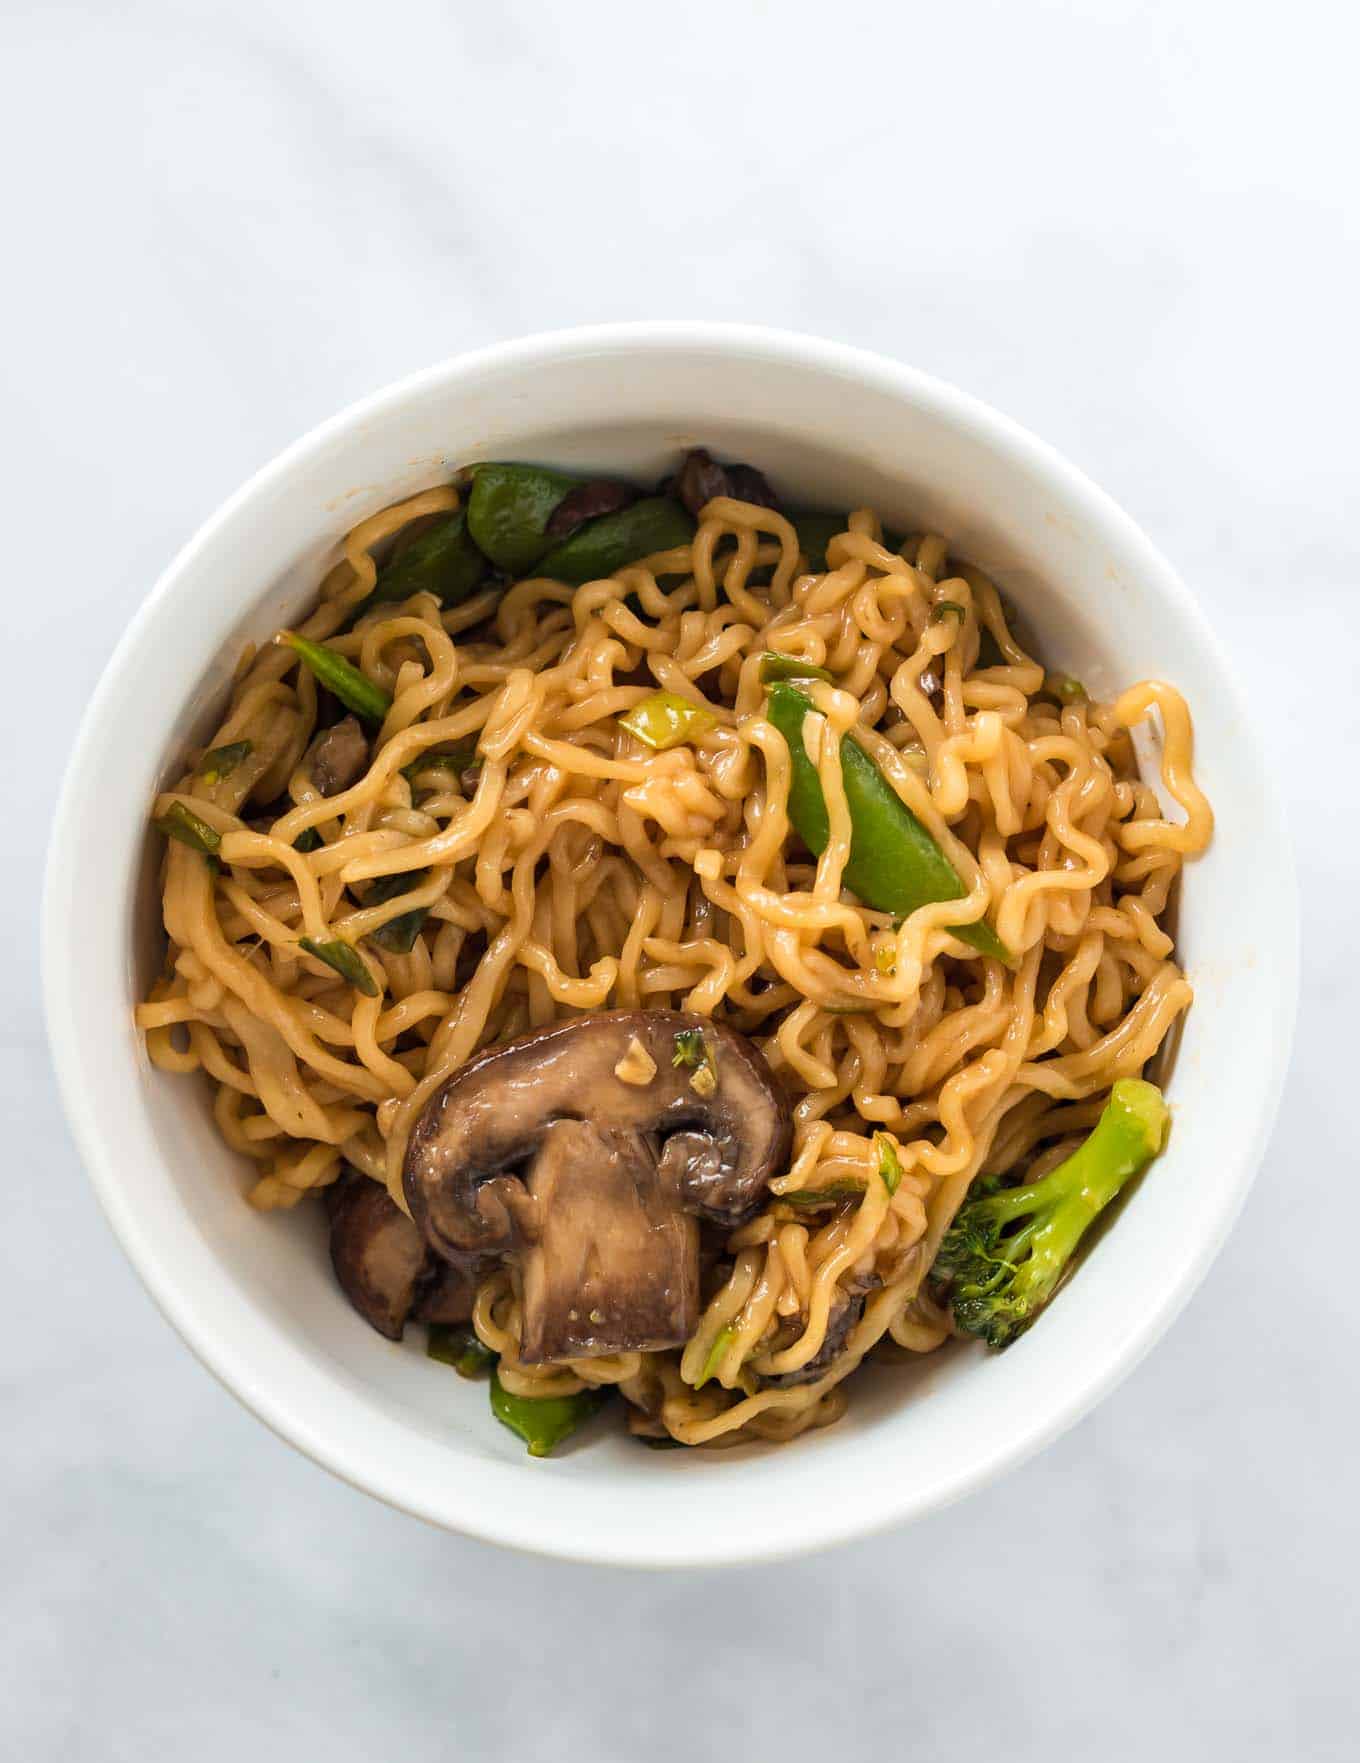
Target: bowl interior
[{"x": 254, "y": 1294}]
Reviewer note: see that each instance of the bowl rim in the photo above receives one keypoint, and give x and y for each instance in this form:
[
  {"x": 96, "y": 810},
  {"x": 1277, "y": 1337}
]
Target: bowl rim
[{"x": 532, "y": 1525}]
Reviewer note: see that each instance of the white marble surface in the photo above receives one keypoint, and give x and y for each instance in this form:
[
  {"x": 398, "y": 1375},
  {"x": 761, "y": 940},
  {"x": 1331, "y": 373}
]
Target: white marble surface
[{"x": 1131, "y": 225}]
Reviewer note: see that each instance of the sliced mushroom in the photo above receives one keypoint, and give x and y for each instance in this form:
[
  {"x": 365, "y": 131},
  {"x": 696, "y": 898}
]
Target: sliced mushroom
[
  {"x": 338, "y": 757},
  {"x": 845, "y": 1313},
  {"x": 700, "y": 478},
  {"x": 385, "y": 1268},
  {"x": 602, "y": 495},
  {"x": 592, "y": 1186}
]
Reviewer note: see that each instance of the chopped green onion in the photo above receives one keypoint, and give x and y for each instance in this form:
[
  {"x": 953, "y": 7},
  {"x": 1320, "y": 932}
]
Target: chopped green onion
[
  {"x": 889, "y": 1163},
  {"x": 838, "y": 1190},
  {"x": 341, "y": 677},
  {"x": 399, "y": 934},
  {"x": 665, "y": 719},
  {"x": 1065, "y": 688},
  {"x": 346, "y": 961},
  {"x": 220, "y": 762},
  {"x": 940, "y": 607},
  {"x": 773, "y": 667},
  {"x": 721, "y": 1342},
  {"x": 180, "y": 822},
  {"x": 460, "y": 1347},
  {"x": 457, "y": 760},
  {"x": 689, "y": 1047}
]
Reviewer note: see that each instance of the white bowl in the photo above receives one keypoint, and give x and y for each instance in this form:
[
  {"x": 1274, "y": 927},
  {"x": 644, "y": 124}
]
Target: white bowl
[{"x": 254, "y": 1295}]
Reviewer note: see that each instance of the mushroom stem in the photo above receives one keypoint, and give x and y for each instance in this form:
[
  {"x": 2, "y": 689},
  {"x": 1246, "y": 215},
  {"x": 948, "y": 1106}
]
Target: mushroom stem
[{"x": 616, "y": 1264}]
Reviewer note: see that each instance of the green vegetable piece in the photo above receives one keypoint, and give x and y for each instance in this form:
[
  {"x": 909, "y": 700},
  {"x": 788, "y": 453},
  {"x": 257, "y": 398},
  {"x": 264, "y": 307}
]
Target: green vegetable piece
[
  {"x": 690, "y": 1049},
  {"x": 895, "y": 866},
  {"x": 442, "y": 561},
  {"x": 941, "y": 607},
  {"x": 1008, "y": 1248},
  {"x": 180, "y": 822},
  {"x": 1065, "y": 688},
  {"x": 457, "y": 760},
  {"x": 838, "y": 1190},
  {"x": 309, "y": 839},
  {"x": 721, "y": 1342},
  {"x": 220, "y": 762},
  {"x": 350, "y": 686},
  {"x": 889, "y": 1163},
  {"x": 656, "y": 523},
  {"x": 459, "y": 1346},
  {"x": 815, "y": 533},
  {"x": 346, "y": 961},
  {"x": 398, "y": 934},
  {"x": 781, "y": 667},
  {"x": 509, "y": 509},
  {"x": 665, "y": 719},
  {"x": 543, "y": 1421}
]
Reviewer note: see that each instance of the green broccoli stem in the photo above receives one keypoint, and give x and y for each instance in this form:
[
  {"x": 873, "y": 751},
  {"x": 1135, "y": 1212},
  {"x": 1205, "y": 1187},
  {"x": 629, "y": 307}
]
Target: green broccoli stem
[{"x": 1128, "y": 1134}]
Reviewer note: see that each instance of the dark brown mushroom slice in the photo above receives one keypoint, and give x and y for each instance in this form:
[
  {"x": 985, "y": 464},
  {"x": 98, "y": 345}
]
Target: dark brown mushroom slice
[
  {"x": 384, "y": 1266},
  {"x": 602, "y": 495},
  {"x": 845, "y": 1313},
  {"x": 338, "y": 757},
  {"x": 587, "y": 1156},
  {"x": 700, "y": 478}
]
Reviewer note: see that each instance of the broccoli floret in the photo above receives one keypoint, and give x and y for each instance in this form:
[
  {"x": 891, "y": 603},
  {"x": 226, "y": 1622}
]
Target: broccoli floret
[{"x": 1008, "y": 1248}]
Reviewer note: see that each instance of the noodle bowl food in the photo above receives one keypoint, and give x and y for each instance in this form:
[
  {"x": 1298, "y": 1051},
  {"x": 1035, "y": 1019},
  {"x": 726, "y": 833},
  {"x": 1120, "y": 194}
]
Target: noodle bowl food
[{"x": 691, "y": 945}]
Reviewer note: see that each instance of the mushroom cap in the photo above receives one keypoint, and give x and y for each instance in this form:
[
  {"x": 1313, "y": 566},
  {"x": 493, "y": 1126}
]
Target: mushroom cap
[{"x": 481, "y": 1130}]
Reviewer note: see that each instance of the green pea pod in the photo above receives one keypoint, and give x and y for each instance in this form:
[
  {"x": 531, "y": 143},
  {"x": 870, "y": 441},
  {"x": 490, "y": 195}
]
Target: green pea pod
[
  {"x": 895, "y": 866},
  {"x": 815, "y": 533},
  {"x": 398, "y": 934},
  {"x": 180, "y": 822},
  {"x": 656, "y": 523},
  {"x": 352, "y": 688},
  {"x": 442, "y": 561},
  {"x": 346, "y": 961},
  {"x": 665, "y": 719},
  {"x": 775, "y": 667},
  {"x": 543, "y": 1421},
  {"x": 220, "y": 762},
  {"x": 509, "y": 509},
  {"x": 459, "y": 1346}
]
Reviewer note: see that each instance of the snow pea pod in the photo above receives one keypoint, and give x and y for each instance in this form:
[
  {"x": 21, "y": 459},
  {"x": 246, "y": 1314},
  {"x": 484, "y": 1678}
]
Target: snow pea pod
[
  {"x": 442, "y": 561},
  {"x": 656, "y": 523},
  {"x": 458, "y": 1345},
  {"x": 542, "y": 1421},
  {"x": 895, "y": 865},
  {"x": 509, "y": 509}
]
